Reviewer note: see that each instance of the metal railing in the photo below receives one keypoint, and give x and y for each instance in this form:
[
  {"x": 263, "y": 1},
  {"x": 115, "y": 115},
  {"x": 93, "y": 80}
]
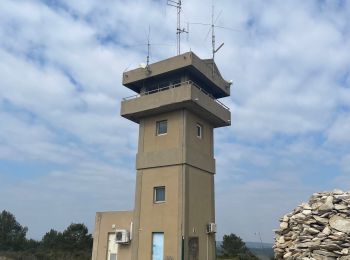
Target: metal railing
[{"x": 189, "y": 82}]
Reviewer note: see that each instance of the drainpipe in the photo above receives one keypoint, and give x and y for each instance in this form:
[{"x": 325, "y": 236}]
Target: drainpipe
[{"x": 208, "y": 246}]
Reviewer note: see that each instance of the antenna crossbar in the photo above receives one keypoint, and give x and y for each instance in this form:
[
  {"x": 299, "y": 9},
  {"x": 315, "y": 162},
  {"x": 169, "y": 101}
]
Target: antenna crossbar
[{"x": 173, "y": 3}]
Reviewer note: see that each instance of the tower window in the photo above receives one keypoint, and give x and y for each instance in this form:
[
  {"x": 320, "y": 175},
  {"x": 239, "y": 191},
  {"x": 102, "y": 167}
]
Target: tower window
[
  {"x": 199, "y": 129},
  {"x": 159, "y": 194},
  {"x": 162, "y": 127}
]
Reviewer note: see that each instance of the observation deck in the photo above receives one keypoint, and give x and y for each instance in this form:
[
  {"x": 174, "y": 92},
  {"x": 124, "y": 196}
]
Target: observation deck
[{"x": 181, "y": 82}]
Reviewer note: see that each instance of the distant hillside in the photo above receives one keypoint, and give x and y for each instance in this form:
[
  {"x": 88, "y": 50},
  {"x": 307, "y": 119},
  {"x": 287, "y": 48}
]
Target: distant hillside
[
  {"x": 251, "y": 245},
  {"x": 262, "y": 250}
]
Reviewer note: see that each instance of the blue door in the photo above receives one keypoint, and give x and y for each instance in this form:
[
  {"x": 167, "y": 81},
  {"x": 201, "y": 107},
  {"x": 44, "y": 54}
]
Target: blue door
[{"x": 157, "y": 246}]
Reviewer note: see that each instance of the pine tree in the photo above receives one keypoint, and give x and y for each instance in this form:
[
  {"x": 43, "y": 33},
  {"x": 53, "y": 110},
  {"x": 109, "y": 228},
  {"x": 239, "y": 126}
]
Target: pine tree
[{"x": 234, "y": 247}]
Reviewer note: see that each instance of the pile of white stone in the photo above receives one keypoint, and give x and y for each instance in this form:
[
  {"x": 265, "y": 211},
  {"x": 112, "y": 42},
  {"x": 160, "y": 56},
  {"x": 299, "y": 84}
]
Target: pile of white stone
[{"x": 319, "y": 229}]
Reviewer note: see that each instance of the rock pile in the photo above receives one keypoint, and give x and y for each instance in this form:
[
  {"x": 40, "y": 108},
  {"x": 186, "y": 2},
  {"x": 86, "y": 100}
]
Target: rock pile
[{"x": 317, "y": 230}]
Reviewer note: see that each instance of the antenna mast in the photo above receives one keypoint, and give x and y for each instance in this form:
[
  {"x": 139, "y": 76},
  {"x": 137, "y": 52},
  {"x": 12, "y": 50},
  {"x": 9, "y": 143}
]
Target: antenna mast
[
  {"x": 148, "y": 45},
  {"x": 213, "y": 32},
  {"x": 178, "y": 5},
  {"x": 213, "y": 38}
]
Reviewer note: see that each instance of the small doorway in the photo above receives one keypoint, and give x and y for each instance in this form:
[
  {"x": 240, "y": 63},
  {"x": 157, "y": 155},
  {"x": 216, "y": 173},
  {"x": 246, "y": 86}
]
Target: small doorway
[
  {"x": 193, "y": 248},
  {"x": 157, "y": 246},
  {"x": 112, "y": 250}
]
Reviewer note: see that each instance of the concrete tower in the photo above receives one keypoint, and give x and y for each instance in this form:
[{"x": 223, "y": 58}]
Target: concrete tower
[{"x": 177, "y": 109}]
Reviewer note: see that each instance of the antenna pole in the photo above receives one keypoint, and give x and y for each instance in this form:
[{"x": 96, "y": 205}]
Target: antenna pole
[
  {"x": 148, "y": 44},
  {"x": 178, "y": 5},
  {"x": 214, "y": 50},
  {"x": 213, "y": 37},
  {"x": 213, "y": 32},
  {"x": 178, "y": 30}
]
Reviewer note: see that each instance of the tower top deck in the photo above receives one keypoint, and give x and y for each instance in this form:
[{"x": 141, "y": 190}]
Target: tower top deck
[{"x": 177, "y": 69}]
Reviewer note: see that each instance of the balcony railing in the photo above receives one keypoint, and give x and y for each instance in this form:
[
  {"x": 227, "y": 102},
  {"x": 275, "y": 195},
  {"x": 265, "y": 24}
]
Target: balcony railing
[{"x": 189, "y": 82}]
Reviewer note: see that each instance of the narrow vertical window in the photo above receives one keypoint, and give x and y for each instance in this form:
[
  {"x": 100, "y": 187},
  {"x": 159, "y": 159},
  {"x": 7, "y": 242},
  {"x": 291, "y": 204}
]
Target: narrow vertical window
[
  {"x": 162, "y": 127},
  {"x": 199, "y": 130},
  {"x": 159, "y": 194}
]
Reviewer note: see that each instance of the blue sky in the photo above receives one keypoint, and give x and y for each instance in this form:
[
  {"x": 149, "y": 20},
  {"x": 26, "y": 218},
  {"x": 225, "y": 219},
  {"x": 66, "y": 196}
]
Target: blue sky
[{"x": 65, "y": 152}]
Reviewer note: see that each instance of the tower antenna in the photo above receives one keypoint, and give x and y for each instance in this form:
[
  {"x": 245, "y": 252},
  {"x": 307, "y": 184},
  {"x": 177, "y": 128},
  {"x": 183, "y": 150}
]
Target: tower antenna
[
  {"x": 148, "y": 45},
  {"x": 178, "y": 5},
  {"x": 214, "y": 50},
  {"x": 212, "y": 28}
]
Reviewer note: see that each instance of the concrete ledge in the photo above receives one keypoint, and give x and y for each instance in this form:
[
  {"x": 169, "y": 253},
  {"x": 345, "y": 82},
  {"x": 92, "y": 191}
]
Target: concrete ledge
[
  {"x": 184, "y": 96},
  {"x": 199, "y": 68},
  {"x": 173, "y": 157}
]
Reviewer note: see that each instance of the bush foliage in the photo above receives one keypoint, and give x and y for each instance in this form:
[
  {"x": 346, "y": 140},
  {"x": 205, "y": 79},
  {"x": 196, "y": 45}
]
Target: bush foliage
[
  {"x": 74, "y": 243},
  {"x": 233, "y": 247}
]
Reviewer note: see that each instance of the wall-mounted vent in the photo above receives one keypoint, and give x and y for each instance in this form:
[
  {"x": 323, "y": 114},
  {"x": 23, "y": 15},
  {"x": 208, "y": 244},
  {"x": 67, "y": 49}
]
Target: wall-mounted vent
[{"x": 211, "y": 228}]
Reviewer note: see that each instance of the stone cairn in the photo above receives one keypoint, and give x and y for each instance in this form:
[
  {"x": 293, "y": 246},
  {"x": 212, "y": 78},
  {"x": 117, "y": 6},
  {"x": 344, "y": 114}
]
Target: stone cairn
[{"x": 317, "y": 230}]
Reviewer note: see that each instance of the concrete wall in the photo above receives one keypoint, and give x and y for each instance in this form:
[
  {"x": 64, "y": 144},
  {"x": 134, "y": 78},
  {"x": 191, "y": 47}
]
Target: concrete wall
[
  {"x": 171, "y": 140},
  {"x": 158, "y": 217},
  {"x": 199, "y": 151},
  {"x": 184, "y": 164},
  {"x": 179, "y": 146},
  {"x": 163, "y": 150},
  {"x": 200, "y": 211},
  {"x": 103, "y": 227}
]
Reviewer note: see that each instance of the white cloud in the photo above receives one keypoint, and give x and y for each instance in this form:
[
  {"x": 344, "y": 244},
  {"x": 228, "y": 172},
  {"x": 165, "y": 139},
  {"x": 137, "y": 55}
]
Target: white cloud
[
  {"x": 61, "y": 197},
  {"x": 345, "y": 163},
  {"x": 339, "y": 131},
  {"x": 250, "y": 207}
]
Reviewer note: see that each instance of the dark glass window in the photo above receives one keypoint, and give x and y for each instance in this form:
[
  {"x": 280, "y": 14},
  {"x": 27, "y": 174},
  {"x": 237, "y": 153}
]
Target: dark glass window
[
  {"x": 159, "y": 194},
  {"x": 162, "y": 127}
]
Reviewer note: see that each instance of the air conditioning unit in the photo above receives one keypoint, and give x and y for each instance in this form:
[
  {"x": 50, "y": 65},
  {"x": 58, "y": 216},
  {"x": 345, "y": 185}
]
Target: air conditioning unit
[
  {"x": 122, "y": 236},
  {"x": 211, "y": 228}
]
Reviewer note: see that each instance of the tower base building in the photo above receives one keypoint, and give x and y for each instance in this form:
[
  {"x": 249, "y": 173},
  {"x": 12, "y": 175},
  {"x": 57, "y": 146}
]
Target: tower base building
[{"x": 177, "y": 109}]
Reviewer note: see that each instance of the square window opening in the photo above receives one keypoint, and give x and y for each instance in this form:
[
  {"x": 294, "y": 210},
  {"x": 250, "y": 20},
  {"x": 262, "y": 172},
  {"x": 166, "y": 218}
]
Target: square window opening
[
  {"x": 162, "y": 127},
  {"x": 159, "y": 194}
]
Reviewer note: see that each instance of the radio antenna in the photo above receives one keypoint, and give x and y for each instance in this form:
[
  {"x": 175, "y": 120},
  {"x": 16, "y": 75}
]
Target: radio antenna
[
  {"x": 148, "y": 45},
  {"x": 214, "y": 50},
  {"x": 212, "y": 26},
  {"x": 178, "y": 5}
]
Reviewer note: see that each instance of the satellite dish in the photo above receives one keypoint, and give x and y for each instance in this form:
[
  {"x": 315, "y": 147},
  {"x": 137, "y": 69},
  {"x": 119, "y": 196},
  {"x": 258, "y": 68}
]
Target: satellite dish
[{"x": 143, "y": 65}]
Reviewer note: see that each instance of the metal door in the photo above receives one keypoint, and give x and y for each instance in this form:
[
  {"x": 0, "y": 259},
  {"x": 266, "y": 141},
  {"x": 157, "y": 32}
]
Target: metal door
[
  {"x": 112, "y": 251},
  {"x": 157, "y": 246}
]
